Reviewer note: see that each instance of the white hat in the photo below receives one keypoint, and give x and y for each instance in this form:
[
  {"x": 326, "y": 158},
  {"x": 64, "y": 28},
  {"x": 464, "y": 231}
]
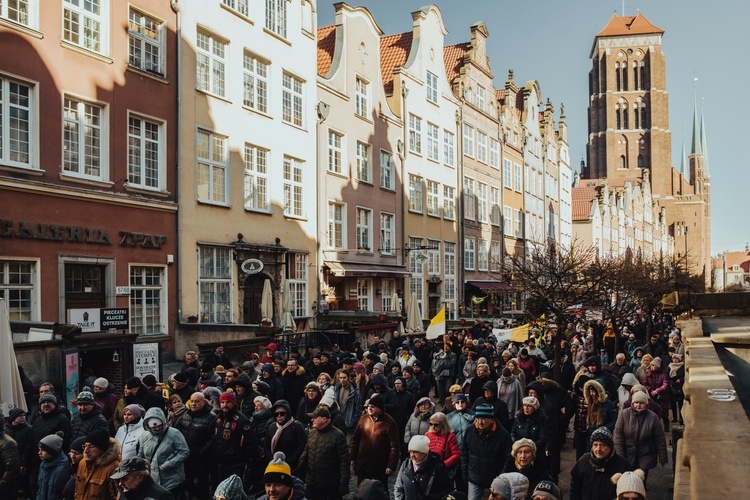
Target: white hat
[
  {"x": 420, "y": 443},
  {"x": 630, "y": 482},
  {"x": 101, "y": 382}
]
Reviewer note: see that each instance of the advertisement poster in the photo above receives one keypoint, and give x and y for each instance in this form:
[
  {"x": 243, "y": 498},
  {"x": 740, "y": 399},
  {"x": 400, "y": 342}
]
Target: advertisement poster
[
  {"x": 72, "y": 374},
  {"x": 146, "y": 359}
]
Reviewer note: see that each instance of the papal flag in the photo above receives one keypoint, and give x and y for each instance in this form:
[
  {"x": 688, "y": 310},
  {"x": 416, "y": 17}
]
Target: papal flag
[
  {"x": 437, "y": 325},
  {"x": 520, "y": 333}
]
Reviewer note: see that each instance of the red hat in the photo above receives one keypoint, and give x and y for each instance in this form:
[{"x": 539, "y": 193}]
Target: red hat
[{"x": 228, "y": 396}]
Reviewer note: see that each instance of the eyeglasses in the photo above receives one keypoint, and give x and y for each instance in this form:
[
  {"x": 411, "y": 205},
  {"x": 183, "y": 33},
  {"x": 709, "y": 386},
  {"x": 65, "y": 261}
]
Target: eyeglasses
[
  {"x": 434, "y": 424},
  {"x": 280, "y": 414}
]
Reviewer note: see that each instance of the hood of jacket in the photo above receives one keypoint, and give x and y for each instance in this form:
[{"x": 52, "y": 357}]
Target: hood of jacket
[
  {"x": 629, "y": 380},
  {"x": 155, "y": 413},
  {"x": 300, "y": 372},
  {"x": 379, "y": 378},
  {"x": 601, "y": 393},
  {"x": 110, "y": 454}
]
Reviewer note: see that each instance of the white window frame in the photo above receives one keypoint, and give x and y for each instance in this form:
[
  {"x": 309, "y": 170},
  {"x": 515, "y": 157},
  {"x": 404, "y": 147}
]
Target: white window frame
[
  {"x": 470, "y": 204},
  {"x": 482, "y": 202},
  {"x": 298, "y": 284},
  {"x": 22, "y": 109},
  {"x": 146, "y": 38},
  {"x": 415, "y": 193},
  {"x": 24, "y": 287},
  {"x": 449, "y": 202},
  {"x": 415, "y": 134},
  {"x": 215, "y": 284},
  {"x": 211, "y": 53},
  {"x": 335, "y": 152},
  {"x": 255, "y": 86},
  {"x": 507, "y": 174},
  {"x": 494, "y": 153},
  {"x": 496, "y": 256},
  {"x": 214, "y": 160},
  {"x": 293, "y": 173},
  {"x": 481, "y": 99},
  {"x": 495, "y": 218},
  {"x": 26, "y": 13},
  {"x": 387, "y": 233},
  {"x": 433, "y": 198},
  {"x": 276, "y": 17},
  {"x": 361, "y": 97},
  {"x": 364, "y": 172},
  {"x": 518, "y": 216},
  {"x": 364, "y": 229},
  {"x": 292, "y": 98},
  {"x": 483, "y": 255},
  {"x": 336, "y": 225},
  {"x": 433, "y": 137},
  {"x": 481, "y": 147},
  {"x": 468, "y": 140},
  {"x": 142, "y": 138},
  {"x": 449, "y": 148},
  {"x": 517, "y": 171},
  {"x": 364, "y": 294},
  {"x": 433, "y": 257},
  {"x": 507, "y": 220},
  {"x": 147, "y": 294},
  {"x": 239, "y": 6},
  {"x": 387, "y": 179},
  {"x": 469, "y": 253},
  {"x": 77, "y": 21},
  {"x": 387, "y": 287},
  {"x": 81, "y": 124},
  {"x": 449, "y": 256},
  {"x": 431, "y": 84},
  {"x": 255, "y": 166}
]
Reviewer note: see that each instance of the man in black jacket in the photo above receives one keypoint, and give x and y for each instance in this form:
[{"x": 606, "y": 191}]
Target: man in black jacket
[
  {"x": 89, "y": 415},
  {"x": 135, "y": 482},
  {"x": 380, "y": 386},
  {"x": 486, "y": 439},
  {"x": 326, "y": 459},
  {"x": 591, "y": 475},
  {"x": 197, "y": 425},
  {"x": 233, "y": 442},
  {"x": 50, "y": 420}
]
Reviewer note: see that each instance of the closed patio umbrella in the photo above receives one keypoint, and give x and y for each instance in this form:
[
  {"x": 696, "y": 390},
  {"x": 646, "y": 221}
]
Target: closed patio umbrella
[
  {"x": 266, "y": 302},
  {"x": 414, "y": 316},
  {"x": 11, "y": 389}
]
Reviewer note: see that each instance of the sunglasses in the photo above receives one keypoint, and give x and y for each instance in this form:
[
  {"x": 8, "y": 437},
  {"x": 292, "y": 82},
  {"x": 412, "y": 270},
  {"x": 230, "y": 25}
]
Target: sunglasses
[
  {"x": 434, "y": 424},
  {"x": 280, "y": 414}
]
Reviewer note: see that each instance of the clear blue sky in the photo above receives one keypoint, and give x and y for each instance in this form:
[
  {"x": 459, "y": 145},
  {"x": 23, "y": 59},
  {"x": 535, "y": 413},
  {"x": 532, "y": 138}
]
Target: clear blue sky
[{"x": 550, "y": 41}]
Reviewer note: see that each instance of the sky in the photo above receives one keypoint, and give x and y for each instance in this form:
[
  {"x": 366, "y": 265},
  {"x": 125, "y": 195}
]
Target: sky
[{"x": 549, "y": 41}]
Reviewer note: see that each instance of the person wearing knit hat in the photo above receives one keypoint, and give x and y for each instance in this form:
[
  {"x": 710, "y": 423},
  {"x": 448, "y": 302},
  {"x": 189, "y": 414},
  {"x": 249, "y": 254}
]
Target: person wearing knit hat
[
  {"x": 375, "y": 446},
  {"x": 277, "y": 479},
  {"x": 275, "y": 385},
  {"x": 54, "y": 471},
  {"x": 531, "y": 401},
  {"x": 104, "y": 396},
  {"x": 129, "y": 433},
  {"x": 630, "y": 482},
  {"x": 101, "y": 456},
  {"x": 594, "y": 470},
  {"x": 359, "y": 368},
  {"x": 378, "y": 367},
  {"x": 101, "y": 383},
  {"x": 423, "y": 474},
  {"x": 486, "y": 438},
  {"x": 85, "y": 397},
  {"x": 230, "y": 489},
  {"x": 509, "y": 486},
  {"x": 89, "y": 415},
  {"x": 519, "y": 446},
  {"x": 76, "y": 453},
  {"x": 527, "y": 458},
  {"x": 546, "y": 490},
  {"x": 639, "y": 435}
]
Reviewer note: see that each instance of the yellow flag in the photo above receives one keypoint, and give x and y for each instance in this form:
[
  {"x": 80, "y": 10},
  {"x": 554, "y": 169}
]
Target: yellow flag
[
  {"x": 520, "y": 333},
  {"x": 437, "y": 325}
]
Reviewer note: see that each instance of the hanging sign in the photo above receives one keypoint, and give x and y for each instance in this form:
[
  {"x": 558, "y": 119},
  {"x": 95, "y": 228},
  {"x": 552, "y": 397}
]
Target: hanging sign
[{"x": 252, "y": 266}]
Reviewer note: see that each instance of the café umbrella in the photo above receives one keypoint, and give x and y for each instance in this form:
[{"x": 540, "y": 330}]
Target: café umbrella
[{"x": 11, "y": 389}]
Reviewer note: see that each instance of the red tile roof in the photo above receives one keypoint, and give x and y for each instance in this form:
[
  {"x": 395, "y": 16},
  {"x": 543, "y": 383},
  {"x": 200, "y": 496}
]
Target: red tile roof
[
  {"x": 326, "y": 44},
  {"x": 394, "y": 51},
  {"x": 582, "y": 198},
  {"x": 581, "y": 209},
  {"x": 629, "y": 25},
  {"x": 453, "y": 55},
  {"x": 500, "y": 94},
  {"x": 741, "y": 259}
]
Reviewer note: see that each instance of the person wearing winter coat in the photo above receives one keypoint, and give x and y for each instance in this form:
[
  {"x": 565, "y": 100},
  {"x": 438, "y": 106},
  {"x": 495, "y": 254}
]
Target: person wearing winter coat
[
  {"x": 129, "y": 434},
  {"x": 601, "y": 412},
  {"x": 510, "y": 391},
  {"x": 657, "y": 384},
  {"x": 486, "y": 439},
  {"x": 197, "y": 427},
  {"x": 443, "y": 442},
  {"x": 623, "y": 392},
  {"x": 75, "y": 455},
  {"x": 135, "y": 482},
  {"x": 313, "y": 395},
  {"x": 524, "y": 458},
  {"x": 476, "y": 386},
  {"x": 50, "y": 420},
  {"x": 275, "y": 386},
  {"x": 610, "y": 383},
  {"x": 285, "y": 434},
  {"x": 348, "y": 398},
  {"x": 419, "y": 421},
  {"x": 422, "y": 476},
  {"x": 166, "y": 450},
  {"x": 233, "y": 442},
  {"x": 279, "y": 483},
  {"x": 375, "y": 444},
  {"x": 294, "y": 378},
  {"x": 21, "y": 431},
  {"x": 498, "y": 405},
  {"x": 531, "y": 423},
  {"x": 461, "y": 419},
  {"x": 104, "y": 396},
  {"x": 676, "y": 374},
  {"x": 443, "y": 368},
  {"x": 325, "y": 459},
  {"x": 591, "y": 475},
  {"x": 10, "y": 463},
  {"x": 101, "y": 456},
  {"x": 54, "y": 471},
  {"x": 511, "y": 486},
  {"x": 639, "y": 435},
  {"x": 89, "y": 415}
]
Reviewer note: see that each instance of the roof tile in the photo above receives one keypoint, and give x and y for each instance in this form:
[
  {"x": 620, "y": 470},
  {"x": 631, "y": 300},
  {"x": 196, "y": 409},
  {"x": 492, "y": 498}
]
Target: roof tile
[
  {"x": 394, "y": 51},
  {"x": 326, "y": 44},
  {"x": 453, "y": 55},
  {"x": 629, "y": 25}
]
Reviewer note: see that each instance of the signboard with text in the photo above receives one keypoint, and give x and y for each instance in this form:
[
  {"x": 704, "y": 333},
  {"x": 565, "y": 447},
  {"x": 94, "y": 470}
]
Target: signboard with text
[
  {"x": 146, "y": 359},
  {"x": 98, "y": 320},
  {"x": 116, "y": 318},
  {"x": 72, "y": 374}
]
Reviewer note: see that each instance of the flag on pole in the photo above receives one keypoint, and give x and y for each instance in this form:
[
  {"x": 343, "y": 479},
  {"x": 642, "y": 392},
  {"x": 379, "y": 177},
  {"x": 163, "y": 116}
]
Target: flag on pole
[
  {"x": 437, "y": 325},
  {"x": 520, "y": 333}
]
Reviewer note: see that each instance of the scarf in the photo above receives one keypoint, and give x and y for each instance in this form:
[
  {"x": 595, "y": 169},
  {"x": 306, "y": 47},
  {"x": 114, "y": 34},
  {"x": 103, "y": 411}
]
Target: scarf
[
  {"x": 674, "y": 368},
  {"x": 277, "y": 434}
]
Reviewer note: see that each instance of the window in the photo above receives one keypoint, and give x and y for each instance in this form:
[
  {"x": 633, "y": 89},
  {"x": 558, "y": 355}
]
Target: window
[
  {"x": 433, "y": 257},
  {"x": 518, "y": 214},
  {"x": 469, "y": 254},
  {"x": 433, "y": 190},
  {"x": 387, "y": 180},
  {"x": 482, "y": 147},
  {"x": 19, "y": 11},
  {"x": 293, "y": 186},
  {"x": 433, "y": 150},
  {"x": 276, "y": 16},
  {"x": 211, "y": 152},
  {"x": 363, "y": 162},
  {"x": 297, "y": 275},
  {"x": 255, "y": 83},
  {"x": 83, "y": 130},
  {"x": 450, "y": 258},
  {"x": 215, "y": 284},
  {"x": 210, "y": 63},
  {"x": 507, "y": 174},
  {"x": 482, "y": 255},
  {"x": 416, "y": 258},
  {"x": 415, "y": 134},
  {"x": 361, "y": 97},
  {"x": 481, "y": 98},
  {"x": 449, "y": 203},
  {"x": 364, "y": 229},
  {"x": 482, "y": 202},
  {"x": 291, "y": 98},
  {"x": 145, "y": 43},
  {"x": 507, "y": 220},
  {"x": 387, "y": 233},
  {"x": 16, "y": 131},
  {"x": 334, "y": 151},
  {"x": 495, "y": 206},
  {"x": 255, "y": 163},
  {"x": 518, "y": 186},
  {"x": 415, "y": 193},
  {"x": 363, "y": 294},
  {"x": 432, "y": 87},
  {"x": 449, "y": 147},
  {"x": 147, "y": 300},
  {"x": 238, "y": 5},
  {"x": 449, "y": 282},
  {"x": 85, "y": 23},
  {"x": 495, "y": 153},
  {"x": 468, "y": 140},
  {"x": 18, "y": 279},
  {"x": 336, "y": 224},
  {"x": 144, "y": 154},
  {"x": 387, "y": 289},
  {"x": 469, "y": 199},
  {"x": 495, "y": 256}
]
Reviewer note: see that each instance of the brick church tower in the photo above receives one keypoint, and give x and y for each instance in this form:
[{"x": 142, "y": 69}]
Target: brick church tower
[{"x": 628, "y": 119}]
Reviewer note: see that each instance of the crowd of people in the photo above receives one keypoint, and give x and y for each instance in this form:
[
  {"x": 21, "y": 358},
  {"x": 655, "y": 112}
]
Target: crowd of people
[{"x": 461, "y": 416}]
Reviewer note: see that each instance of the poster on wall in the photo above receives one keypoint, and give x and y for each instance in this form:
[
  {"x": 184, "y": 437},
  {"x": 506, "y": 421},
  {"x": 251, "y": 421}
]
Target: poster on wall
[
  {"x": 72, "y": 374},
  {"x": 146, "y": 359}
]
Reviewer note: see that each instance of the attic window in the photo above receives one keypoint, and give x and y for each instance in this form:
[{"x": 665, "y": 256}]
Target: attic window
[{"x": 736, "y": 268}]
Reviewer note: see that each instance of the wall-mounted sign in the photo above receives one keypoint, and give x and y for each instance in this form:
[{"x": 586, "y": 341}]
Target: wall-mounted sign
[
  {"x": 114, "y": 318},
  {"x": 88, "y": 320},
  {"x": 252, "y": 266},
  {"x": 122, "y": 290},
  {"x": 77, "y": 234},
  {"x": 146, "y": 360}
]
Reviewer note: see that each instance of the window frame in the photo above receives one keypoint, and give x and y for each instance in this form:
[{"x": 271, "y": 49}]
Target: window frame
[
  {"x": 468, "y": 132},
  {"x": 482, "y": 147},
  {"x": 483, "y": 255},
  {"x": 361, "y": 97},
  {"x": 32, "y": 123},
  {"x": 433, "y": 141},
  {"x": 161, "y": 152},
  {"x": 255, "y": 71},
  {"x": 214, "y": 81},
  {"x": 143, "y": 40},
  {"x": 276, "y": 17},
  {"x": 335, "y": 152},
  {"x": 336, "y": 225},
  {"x": 495, "y": 218},
  {"x": 482, "y": 201},
  {"x": 507, "y": 173},
  {"x": 449, "y": 202},
  {"x": 387, "y": 171},
  {"x": 142, "y": 303},
  {"x": 508, "y": 221},
  {"x": 207, "y": 309},
  {"x": 449, "y": 148},
  {"x": 294, "y": 188},
  {"x": 469, "y": 253},
  {"x": 387, "y": 233},
  {"x": 433, "y": 198},
  {"x": 292, "y": 98},
  {"x": 102, "y": 19},
  {"x": 364, "y": 169},
  {"x": 255, "y": 177},
  {"x": 81, "y": 139},
  {"x": 416, "y": 202},
  {"x": 432, "y": 87},
  {"x": 364, "y": 229},
  {"x": 298, "y": 283},
  {"x": 212, "y": 165},
  {"x": 470, "y": 204},
  {"x": 415, "y": 134},
  {"x": 31, "y": 288}
]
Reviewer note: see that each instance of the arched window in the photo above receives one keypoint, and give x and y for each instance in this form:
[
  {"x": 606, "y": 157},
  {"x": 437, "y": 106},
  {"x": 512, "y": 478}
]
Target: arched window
[
  {"x": 644, "y": 116},
  {"x": 640, "y": 162},
  {"x": 636, "y": 83},
  {"x": 624, "y": 75},
  {"x": 623, "y": 162},
  {"x": 643, "y": 75},
  {"x": 636, "y": 116},
  {"x": 618, "y": 113},
  {"x": 625, "y": 123},
  {"x": 617, "y": 77}
]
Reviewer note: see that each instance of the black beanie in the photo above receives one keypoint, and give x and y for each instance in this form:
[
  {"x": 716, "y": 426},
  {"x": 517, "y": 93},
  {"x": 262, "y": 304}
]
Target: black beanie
[{"x": 99, "y": 438}]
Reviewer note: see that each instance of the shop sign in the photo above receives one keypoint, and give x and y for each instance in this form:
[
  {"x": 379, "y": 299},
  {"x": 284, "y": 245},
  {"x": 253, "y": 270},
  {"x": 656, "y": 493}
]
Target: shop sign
[
  {"x": 114, "y": 318},
  {"x": 72, "y": 375},
  {"x": 146, "y": 359},
  {"x": 77, "y": 234},
  {"x": 88, "y": 320},
  {"x": 252, "y": 266}
]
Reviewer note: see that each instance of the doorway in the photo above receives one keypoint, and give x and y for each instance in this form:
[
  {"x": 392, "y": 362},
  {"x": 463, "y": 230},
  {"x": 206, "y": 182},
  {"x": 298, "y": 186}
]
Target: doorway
[{"x": 253, "y": 292}]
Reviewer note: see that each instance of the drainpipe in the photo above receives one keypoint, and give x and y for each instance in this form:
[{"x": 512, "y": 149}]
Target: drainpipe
[
  {"x": 402, "y": 152},
  {"x": 460, "y": 218},
  {"x": 322, "y": 110},
  {"x": 177, "y": 8}
]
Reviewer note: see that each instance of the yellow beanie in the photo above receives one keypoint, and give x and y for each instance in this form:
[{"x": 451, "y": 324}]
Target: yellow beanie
[{"x": 278, "y": 471}]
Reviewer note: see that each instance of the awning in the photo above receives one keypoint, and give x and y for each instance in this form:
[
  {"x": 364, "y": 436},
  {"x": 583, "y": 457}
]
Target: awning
[
  {"x": 489, "y": 286},
  {"x": 350, "y": 269}
]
